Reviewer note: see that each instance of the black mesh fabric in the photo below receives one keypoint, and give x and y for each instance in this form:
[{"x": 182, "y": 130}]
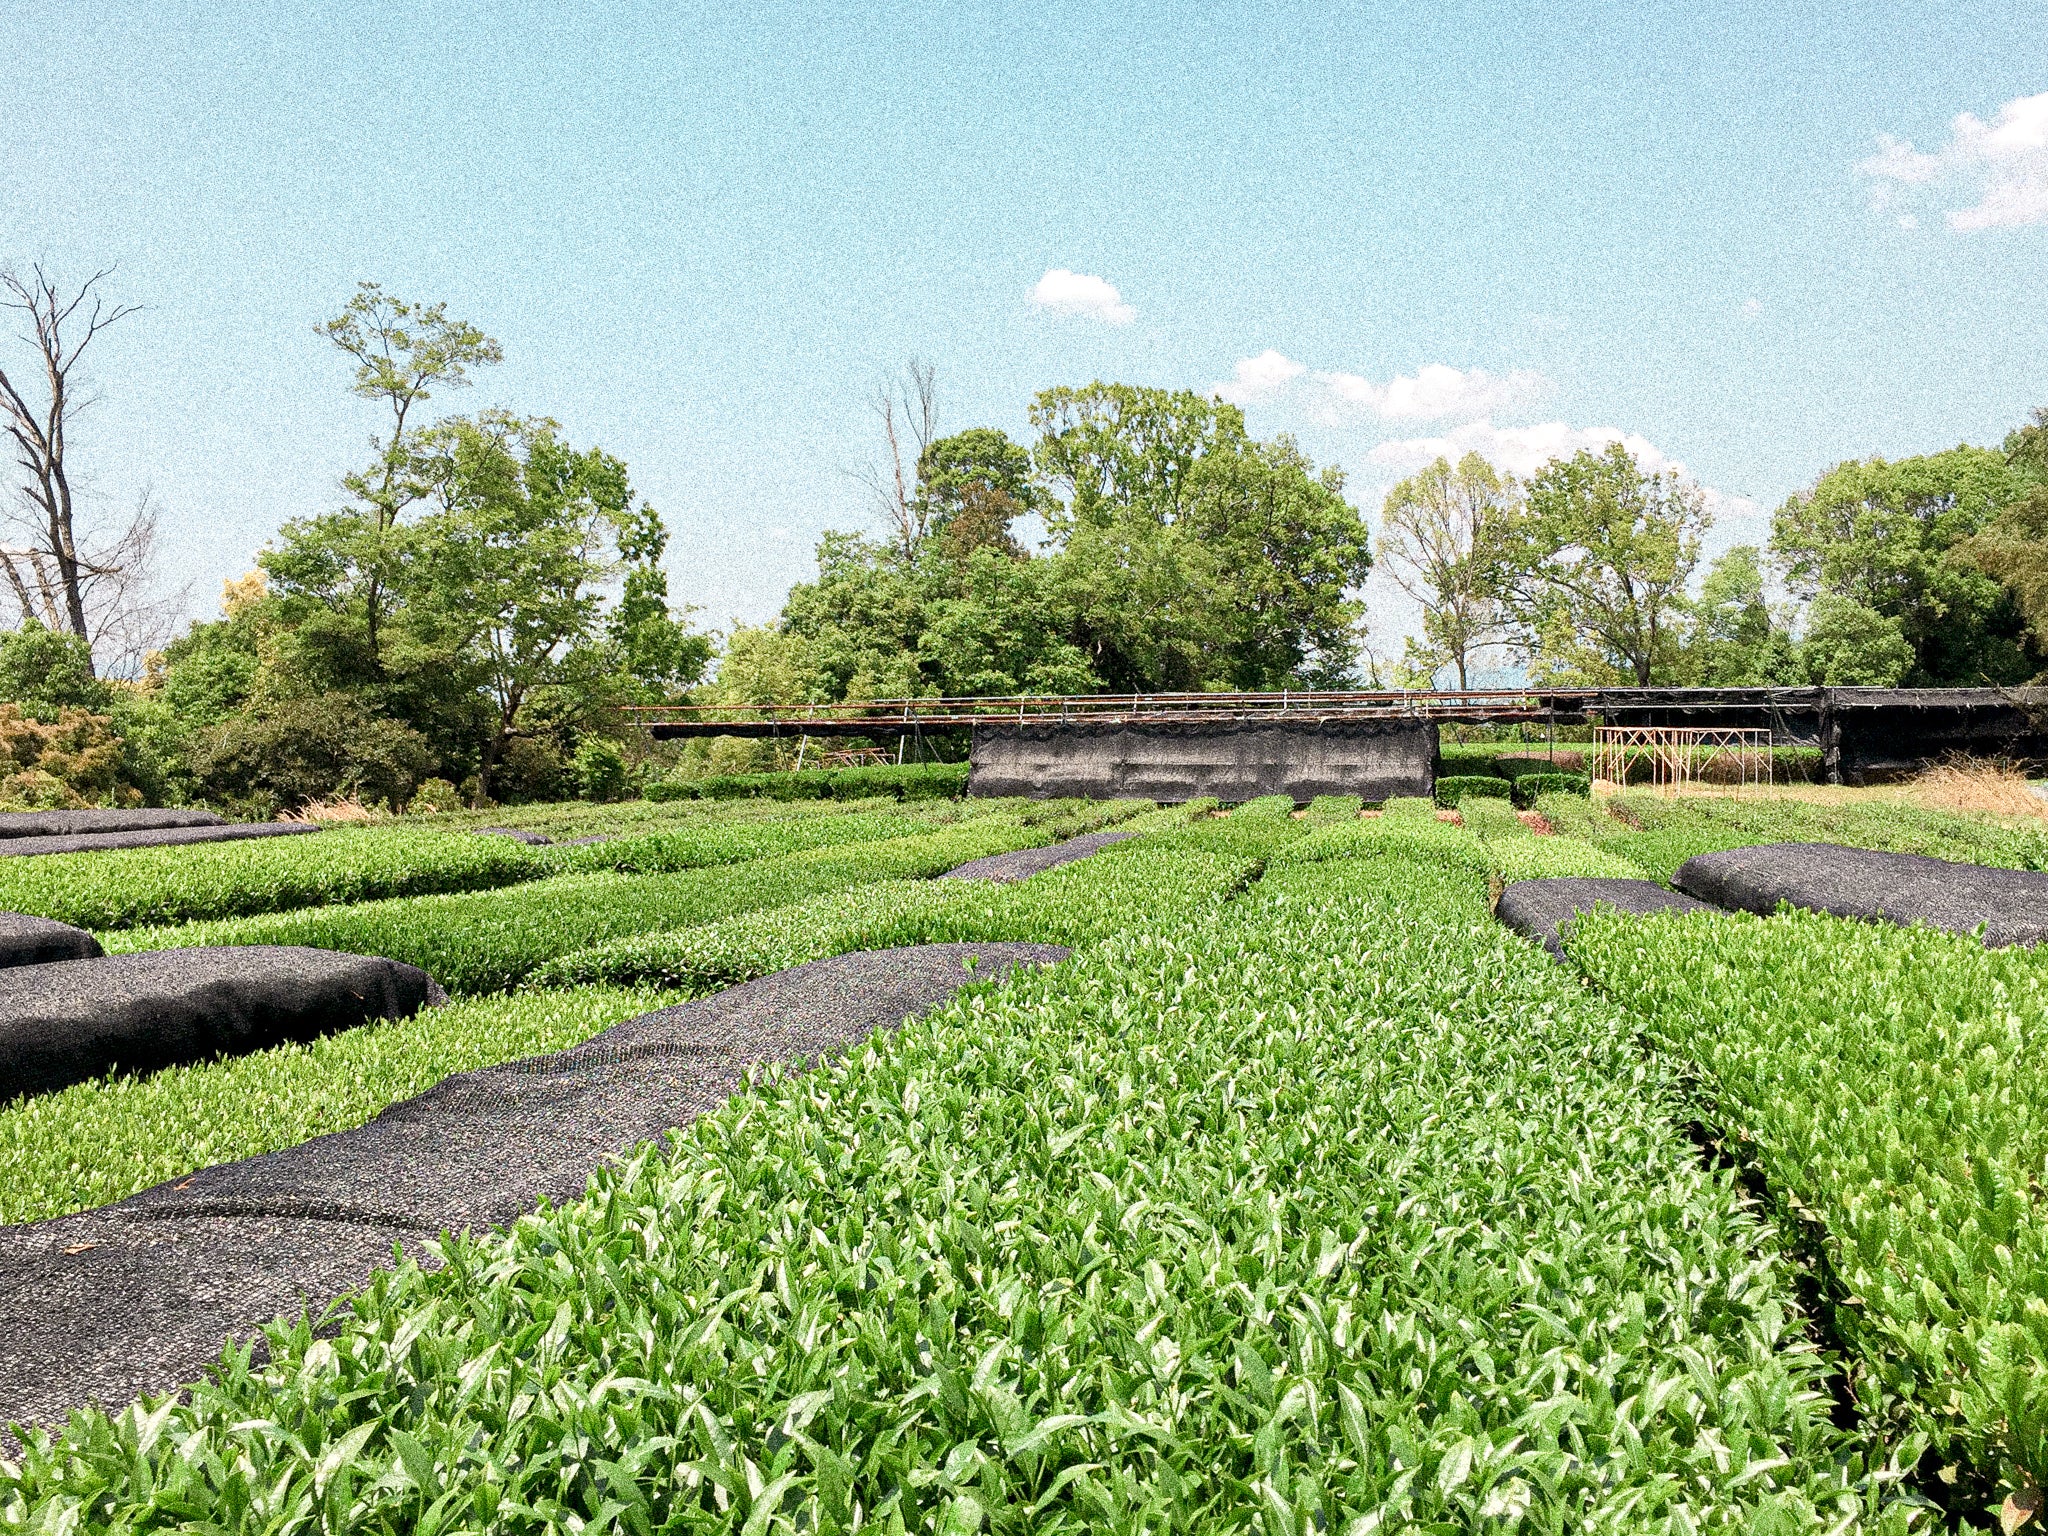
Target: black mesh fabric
[
  {"x": 147, "y": 837},
  {"x": 38, "y": 941},
  {"x": 1026, "y": 862},
  {"x": 72, "y": 823},
  {"x": 2010, "y": 905},
  {"x": 1543, "y": 909},
  {"x": 66, "y": 1022},
  {"x": 139, "y": 1296}
]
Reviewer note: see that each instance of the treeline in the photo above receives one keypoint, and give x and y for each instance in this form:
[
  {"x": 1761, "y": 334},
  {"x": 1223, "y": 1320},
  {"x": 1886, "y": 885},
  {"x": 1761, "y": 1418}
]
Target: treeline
[
  {"x": 467, "y": 624},
  {"x": 1925, "y": 572}
]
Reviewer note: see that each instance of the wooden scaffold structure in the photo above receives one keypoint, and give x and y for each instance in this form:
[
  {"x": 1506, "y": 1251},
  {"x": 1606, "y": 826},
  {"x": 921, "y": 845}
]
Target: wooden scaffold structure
[{"x": 1682, "y": 757}]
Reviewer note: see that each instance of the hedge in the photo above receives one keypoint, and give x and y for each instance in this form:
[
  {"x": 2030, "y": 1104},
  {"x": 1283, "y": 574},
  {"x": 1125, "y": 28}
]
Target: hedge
[
  {"x": 1455, "y": 788},
  {"x": 1529, "y": 786},
  {"x": 910, "y": 781}
]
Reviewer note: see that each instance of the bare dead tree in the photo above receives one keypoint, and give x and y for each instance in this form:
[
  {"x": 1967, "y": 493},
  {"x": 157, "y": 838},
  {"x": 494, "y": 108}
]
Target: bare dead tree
[
  {"x": 907, "y": 408},
  {"x": 61, "y": 326}
]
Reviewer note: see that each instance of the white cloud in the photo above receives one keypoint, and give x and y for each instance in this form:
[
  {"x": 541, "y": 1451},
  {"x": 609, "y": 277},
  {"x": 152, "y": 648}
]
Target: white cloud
[
  {"x": 1435, "y": 392},
  {"x": 2003, "y": 163},
  {"x": 1518, "y": 450},
  {"x": 1081, "y": 294},
  {"x": 1259, "y": 378}
]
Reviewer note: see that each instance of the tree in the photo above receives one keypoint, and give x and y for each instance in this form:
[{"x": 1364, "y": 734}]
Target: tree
[
  {"x": 1890, "y": 536},
  {"x": 506, "y": 571},
  {"x": 658, "y": 652},
  {"x": 57, "y": 577},
  {"x": 973, "y": 485},
  {"x": 1197, "y": 556},
  {"x": 1443, "y": 533},
  {"x": 403, "y": 353},
  {"x": 1849, "y": 645},
  {"x": 1603, "y": 552},
  {"x": 2012, "y": 548},
  {"x": 47, "y": 671},
  {"x": 1734, "y": 640}
]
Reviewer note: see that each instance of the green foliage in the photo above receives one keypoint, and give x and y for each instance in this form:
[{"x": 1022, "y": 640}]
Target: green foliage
[
  {"x": 1660, "y": 834},
  {"x": 296, "y": 750},
  {"x": 1888, "y": 1086},
  {"x": 47, "y": 671},
  {"x": 1530, "y": 787},
  {"x": 1557, "y": 858},
  {"x": 101, "y": 1141},
  {"x": 1335, "y": 1209},
  {"x": 489, "y": 940},
  {"x": 434, "y": 796},
  {"x": 1889, "y": 537},
  {"x": 600, "y": 769},
  {"x": 1849, "y": 645},
  {"x": 1457, "y": 788},
  {"x": 1446, "y": 537},
  {"x": 1602, "y": 556},
  {"x": 1491, "y": 818},
  {"x": 1734, "y": 640},
  {"x": 1088, "y": 900},
  {"x": 911, "y": 781},
  {"x": 1325, "y": 808}
]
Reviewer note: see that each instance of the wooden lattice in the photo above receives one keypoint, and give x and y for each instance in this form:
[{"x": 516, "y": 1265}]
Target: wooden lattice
[{"x": 1683, "y": 757}]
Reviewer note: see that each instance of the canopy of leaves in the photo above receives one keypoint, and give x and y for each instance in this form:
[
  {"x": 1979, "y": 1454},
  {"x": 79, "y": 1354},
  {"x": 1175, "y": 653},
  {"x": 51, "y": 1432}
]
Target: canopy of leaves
[{"x": 1889, "y": 535}]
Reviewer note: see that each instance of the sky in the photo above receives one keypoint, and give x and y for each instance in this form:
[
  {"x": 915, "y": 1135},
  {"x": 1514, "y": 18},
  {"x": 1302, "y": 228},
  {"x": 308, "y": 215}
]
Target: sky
[{"x": 1749, "y": 241}]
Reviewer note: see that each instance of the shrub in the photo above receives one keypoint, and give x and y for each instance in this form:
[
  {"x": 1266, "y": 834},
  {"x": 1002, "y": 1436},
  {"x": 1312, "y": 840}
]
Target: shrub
[
  {"x": 599, "y": 769},
  {"x": 1459, "y": 786},
  {"x": 293, "y": 751},
  {"x": 435, "y": 796},
  {"x": 1326, "y": 808},
  {"x": 530, "y": 770},
  {"x": 71, "y": 760},
  {"x": 1492, "y": 818},
  {"x": 1530, "y": 786}
]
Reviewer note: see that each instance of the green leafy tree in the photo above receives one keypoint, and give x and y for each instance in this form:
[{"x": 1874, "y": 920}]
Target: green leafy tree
[
  {"x": 46, "y": 671},
  {"x": 1199, "y": 557},
  {"x": 974, "y": 485},
  {"x": 507, "y": 571},
  {"x": 403, "y": 353},
  {"x": 2012, "y": 548},
  {"x": 1892, "y": 536},
  {"x": 1734, "y": 640},
  {"x": 1444, "y": 533},
  {"x": 1848, "y": 644},
  {"x": 658, "y": 653},
  {"x": 1599, "y": 564}
]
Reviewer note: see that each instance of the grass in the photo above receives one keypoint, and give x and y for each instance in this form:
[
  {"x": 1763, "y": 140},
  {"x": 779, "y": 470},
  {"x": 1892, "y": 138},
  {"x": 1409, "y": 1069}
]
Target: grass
[
  {"x": 1888, "y": 1085},
  {"x": 98, "y": 1142},
  {"x": 1332, "y": 1208}
]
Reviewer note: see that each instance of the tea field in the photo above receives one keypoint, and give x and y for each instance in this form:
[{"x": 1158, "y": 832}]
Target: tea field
[{"x": 1301, "y": 1197}]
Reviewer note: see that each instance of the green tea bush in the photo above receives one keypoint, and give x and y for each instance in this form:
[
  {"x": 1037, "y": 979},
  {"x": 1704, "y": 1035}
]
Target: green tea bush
[
  {"x": 488, "y": 941},
  {"x": 121, "y": 888},
  {"x": 1530, "y": 787},
  {"x": 1328, "y": 808},
  {"x": 910, "y": 781},
  {"x": 101, "y": 1141},
  {"x": 1461, "y": 787},
  {"x": 1333, "y": 1209},
  {"x": 1889, "y": 1085},
  {"x": 1492, "y": 818}
]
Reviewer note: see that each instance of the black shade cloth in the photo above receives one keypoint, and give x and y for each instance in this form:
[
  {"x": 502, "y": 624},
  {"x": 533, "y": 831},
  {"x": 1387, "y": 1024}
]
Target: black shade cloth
[
  {"x": 2011, "y": 905},
  {"x": 38, "y": 941},
  {"x": 90, "y": 842},
  {"x": 1021, "y": 865},
  {"x": 517, "y": 834},
  {"x": 139, "y": 1296},
  {"x": 78, "y": 1019},
  {"x": 1543, "y": 909},
  {"x": 71, "y": 823}
]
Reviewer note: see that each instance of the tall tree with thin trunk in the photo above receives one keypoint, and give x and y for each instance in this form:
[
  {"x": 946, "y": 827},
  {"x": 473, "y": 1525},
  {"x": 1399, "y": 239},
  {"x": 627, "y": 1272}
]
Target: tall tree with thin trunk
[
  {"x": 403, "y": 353},
  {"x": 1443, "y": 536},
  {"x": 908, "y": 410},
  {"x": 52, "y": 573}
]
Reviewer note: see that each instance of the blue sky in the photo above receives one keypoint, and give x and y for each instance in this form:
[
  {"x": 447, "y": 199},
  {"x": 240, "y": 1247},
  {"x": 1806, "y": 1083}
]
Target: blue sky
[{"x": 1755, "y": 242}]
